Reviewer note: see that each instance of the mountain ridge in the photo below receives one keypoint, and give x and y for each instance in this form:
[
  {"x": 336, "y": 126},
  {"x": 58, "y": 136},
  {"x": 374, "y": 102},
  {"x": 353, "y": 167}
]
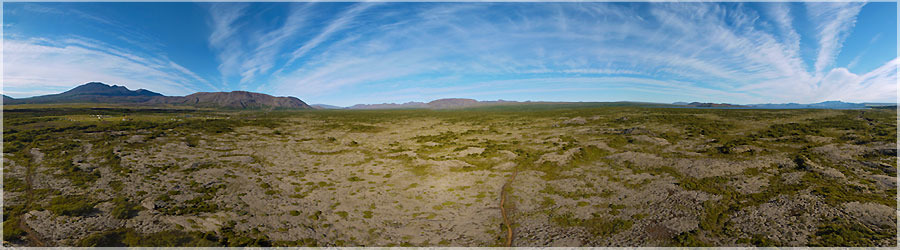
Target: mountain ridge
[
  {"x": 818, "y": 105},
  {"x": 233, "y": 99},
  {"x": 97, "y": 92},
  {"x": 326, "y": 106},
  {"x": 443, "y": 103},
  {"x": 90, "y": 92}
]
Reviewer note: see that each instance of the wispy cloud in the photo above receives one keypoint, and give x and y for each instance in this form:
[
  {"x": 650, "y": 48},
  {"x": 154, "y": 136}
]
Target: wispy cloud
[
  {"x": 853, "y": 62},
  {"x": 249, "y": 51},
  {"x": 457, "y": 41},
  {"x": 223, "y": 19},
  {"x": 345, "y": 53},
  {"x": 736, "y": 56},
  {"x": 122, "y": 31},
  {"x": 344, "y": 19},
  {"x": 58, "y": 65},
  {"x": 834, "y": 22},
  {"x": 267, "y": 47}
]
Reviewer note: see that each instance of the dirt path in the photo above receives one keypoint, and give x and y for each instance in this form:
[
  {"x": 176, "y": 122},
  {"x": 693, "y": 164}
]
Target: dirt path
[
  {"x": 509, "y": 232},
  {"x": 31, "y": 236}
]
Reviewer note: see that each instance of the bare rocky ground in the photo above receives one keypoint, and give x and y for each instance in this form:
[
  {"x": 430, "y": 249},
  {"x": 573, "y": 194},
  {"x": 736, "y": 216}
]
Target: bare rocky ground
[{"x": 586, "y": 177}]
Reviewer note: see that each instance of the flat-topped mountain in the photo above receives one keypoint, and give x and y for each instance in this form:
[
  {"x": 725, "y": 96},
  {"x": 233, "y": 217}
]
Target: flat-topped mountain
[
  {"x": 452, "y": 103},
  {"x": 96, "y": 92},
  {"x": 234, "y": 99},
  {"x": 708, "y": 105}
]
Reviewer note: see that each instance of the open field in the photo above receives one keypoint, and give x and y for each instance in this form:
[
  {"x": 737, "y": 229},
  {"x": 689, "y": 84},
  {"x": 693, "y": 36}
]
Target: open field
[{"x": 614, "y": 175}]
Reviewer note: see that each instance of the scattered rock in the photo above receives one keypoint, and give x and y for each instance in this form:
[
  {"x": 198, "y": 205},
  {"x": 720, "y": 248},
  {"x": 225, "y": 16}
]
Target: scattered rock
[
  {"x": 136, "y": 139},
  {"x": 575, "y": 121},
  {"x": 470, "y": 151},
  {"x": 872, "y": 213}
]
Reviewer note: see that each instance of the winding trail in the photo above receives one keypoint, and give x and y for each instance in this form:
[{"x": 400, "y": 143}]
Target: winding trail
[
  {"x": 30, "y": 235},
  {"x": 509, "y": 231}
]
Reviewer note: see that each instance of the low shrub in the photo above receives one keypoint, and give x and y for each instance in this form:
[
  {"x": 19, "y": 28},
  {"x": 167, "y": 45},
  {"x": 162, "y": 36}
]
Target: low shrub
[
  {"x": 124, "y": 209},
  {"x": 71, "y": 205}
]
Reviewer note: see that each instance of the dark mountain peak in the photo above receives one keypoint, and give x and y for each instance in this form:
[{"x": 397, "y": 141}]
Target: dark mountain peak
[
  {"x": 94, "y": 84},
  {"x": 837, "y": 105},
  {"x": 102, "y": 89},
  {"x": 92, "y": 92},
  {"x": 146, "y": 92},
  {"x": 90, "y": 87},
  {"x": 98, "y": 92},
  {"x": 833, "y": 103}
]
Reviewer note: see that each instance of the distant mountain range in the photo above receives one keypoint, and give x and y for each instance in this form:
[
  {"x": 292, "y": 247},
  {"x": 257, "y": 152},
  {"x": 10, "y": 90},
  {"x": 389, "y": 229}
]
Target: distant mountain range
[
  {"x": 408, "y": 105},
  {"x": 446, "y": 103},
  {"x": 450, "y": 103},
  {"x": 96, "y": 92},
  {"x": 821, "y": 105},
  {"x": 709, "y": 105},
  {"x": 325, "y": 106}
]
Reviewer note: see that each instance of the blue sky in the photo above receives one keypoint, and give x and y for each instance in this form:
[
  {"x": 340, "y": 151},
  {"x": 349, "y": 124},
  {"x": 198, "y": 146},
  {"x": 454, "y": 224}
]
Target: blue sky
[{"x": 349, "y": 53}]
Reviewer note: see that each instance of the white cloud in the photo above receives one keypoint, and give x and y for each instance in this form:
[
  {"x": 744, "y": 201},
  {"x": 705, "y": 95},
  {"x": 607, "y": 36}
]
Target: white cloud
[
  {"x": 59, "y": 66},
  {"x": 835, "y": 21},
  {"x": 727, "y": 52},
  {"x": 99, "y": 23},
  {"x": 267, "y": 46},
  {"x": 732, "y": 57},
  {"x": 223, "y": 18},
  {"x": 340, "y": 22},
  {"x": 880, "y": 85}
]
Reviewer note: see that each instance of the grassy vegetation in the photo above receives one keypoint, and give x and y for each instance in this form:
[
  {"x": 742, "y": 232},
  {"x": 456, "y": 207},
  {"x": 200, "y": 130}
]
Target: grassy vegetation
[
  {"x": 519, "y": 135},
  {"x": 197, "y": 205},
  {"x": 124, "y": 209},
  {"x": 840, "y": 232},
  {"x": 689, "y": 239},
  {"x": 71, "y": 205},
  {"x": 130, "y": 238},
  {"x": 11, "y": 229}
]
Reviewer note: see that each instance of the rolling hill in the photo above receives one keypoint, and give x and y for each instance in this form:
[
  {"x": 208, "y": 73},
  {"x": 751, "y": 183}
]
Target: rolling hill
[
  {"x": 234, "y": 99},
  {"x": 96, "y": 92},
  {"x": 90, "y": 92}
]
